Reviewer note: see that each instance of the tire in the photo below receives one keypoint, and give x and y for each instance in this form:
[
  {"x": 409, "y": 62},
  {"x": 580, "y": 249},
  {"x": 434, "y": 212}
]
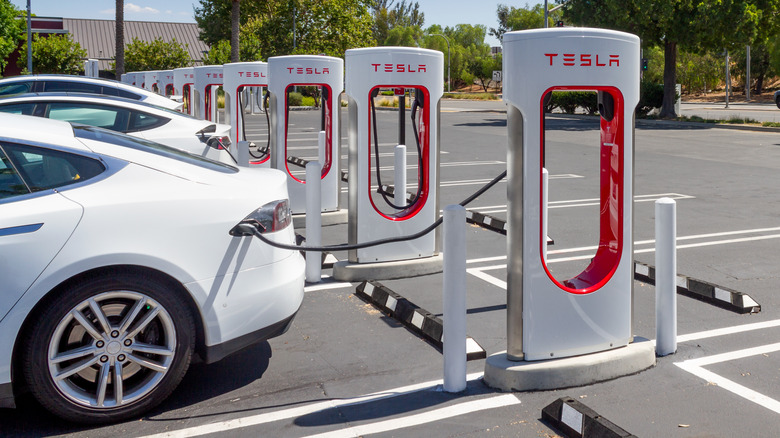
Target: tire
[
  {"x": 777, "y": 102},
  {"x": 90, "y": 333}
]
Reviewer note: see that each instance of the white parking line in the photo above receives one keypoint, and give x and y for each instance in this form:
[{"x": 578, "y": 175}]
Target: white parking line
[
  {"x": 492, "y": 209},
  {"x": 326, "y": 286},
  {"x": 423, "y": 418},
  {"x": 696, "y": 367},
  {"x": 479, "y": 272},
  {"x": 269, "y": 417}
]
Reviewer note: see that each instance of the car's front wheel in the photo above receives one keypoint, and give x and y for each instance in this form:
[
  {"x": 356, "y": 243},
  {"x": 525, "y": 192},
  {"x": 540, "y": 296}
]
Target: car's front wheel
[{"x": 108, "y": 349}]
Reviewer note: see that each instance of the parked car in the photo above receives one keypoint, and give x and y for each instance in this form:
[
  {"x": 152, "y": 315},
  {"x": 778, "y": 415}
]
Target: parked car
[
  {"x": 121, "y": 259},
  {"x": 777, "y": 98},
  {"x": 82, "y": 84},
  {"x": 139, "y": 119}
]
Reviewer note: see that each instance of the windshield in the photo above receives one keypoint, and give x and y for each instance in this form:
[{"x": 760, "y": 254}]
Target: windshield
[{"x": 119, "y": 139}]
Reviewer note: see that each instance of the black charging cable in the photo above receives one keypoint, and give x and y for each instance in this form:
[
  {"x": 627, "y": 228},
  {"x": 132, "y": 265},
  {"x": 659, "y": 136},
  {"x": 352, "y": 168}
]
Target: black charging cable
[
  {"x": 417, "y": 104},
  {"x": 247, "y": 229}
]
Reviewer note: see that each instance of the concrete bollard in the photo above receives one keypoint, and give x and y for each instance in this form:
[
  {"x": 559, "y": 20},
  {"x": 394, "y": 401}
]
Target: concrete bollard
[
  {"x": 454, "y": 297},
  {"x": 313, "y": 221},
  {"x": 242, "y": 153},
  {"x": 665, "y": 276}
]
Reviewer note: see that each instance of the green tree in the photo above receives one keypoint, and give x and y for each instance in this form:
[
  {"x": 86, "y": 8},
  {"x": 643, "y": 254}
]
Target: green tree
[
  {"x": 156, "y": 55},
  {"x": 249, "y": 49},
  {"x": 389, "y": 15},
  {"x": 511, "y": 18},
  {"x": 482, "y": 69},
  {"x": 467, "y": 43},
  {"x": 690, "y": 24},
  {"x": 321, "y": 26},
  {"x": 54, "y": 54},
  {"x": 12, "y": 29}
]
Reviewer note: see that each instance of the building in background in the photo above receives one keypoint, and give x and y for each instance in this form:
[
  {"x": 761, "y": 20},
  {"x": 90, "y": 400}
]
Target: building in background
[{"x": 98, "y": 39}]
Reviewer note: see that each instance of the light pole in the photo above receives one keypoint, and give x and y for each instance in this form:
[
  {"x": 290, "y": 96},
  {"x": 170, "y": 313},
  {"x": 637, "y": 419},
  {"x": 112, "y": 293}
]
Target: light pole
[
  {"x": 449, "y": 83},
  {"x": 29, "y": 39}
]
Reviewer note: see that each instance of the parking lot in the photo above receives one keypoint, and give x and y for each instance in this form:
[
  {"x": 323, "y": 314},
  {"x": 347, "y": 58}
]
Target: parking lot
[{"x": 347, "y": 369}]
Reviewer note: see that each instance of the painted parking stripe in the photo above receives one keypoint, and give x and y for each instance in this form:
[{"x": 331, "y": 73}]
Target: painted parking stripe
[
  {"x": 492, "y": 209},
  {"x": 423, "y": 418},
  {"x": 696, "y": 367},
  {"x": 269, "y": 417}
]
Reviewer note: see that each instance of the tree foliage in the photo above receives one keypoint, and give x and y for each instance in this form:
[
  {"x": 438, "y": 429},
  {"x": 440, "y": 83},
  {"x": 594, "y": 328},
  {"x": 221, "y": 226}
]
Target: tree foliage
[
  {"x": 511, "y": 18},
  {"x": 696, "y": 25},
  {"x": 12, "y": 30},
  {"x": 392, "y": 20},
  {"x": 54, "y": 54},
  {"x": 249, "y": 49},
  {"x": 285, "y": 27},
  {"x": 467, "y": 45},
  {"x": 156, "y": 55}
]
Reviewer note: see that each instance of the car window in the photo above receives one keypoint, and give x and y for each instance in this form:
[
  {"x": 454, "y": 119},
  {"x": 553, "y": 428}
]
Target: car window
[
  {"x": 72, "y": 86},
  {"x": 17, "y": 87},
  {"x": 42, "y": 168},
  {"x": 110, "y": 91},
  {"x": 128, "y": 95},
  {"x": 142, "y": 121},
  {"x": 124, "y": 140},
  {"x": 24, "y": 108},
  {"x": 102, "y": 116},
  {"x": 10, "y": 182}
]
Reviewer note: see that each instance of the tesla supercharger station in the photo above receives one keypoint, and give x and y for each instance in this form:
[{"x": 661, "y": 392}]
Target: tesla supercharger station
[
  {"x": 284, "y": 74},
  {"x": 150, "y": 80},
  {"x": 91, "y": 69},
  {"x": 415, "y": 76},
  {"x": 133, "y": 79},
  {"x": 590, "y": 313},
  {"x": 208, "y": 79},
  {"x": 183, "y": 82},
  {"x": 165, "y": 82},
  {"x": 239, "y": 76}
]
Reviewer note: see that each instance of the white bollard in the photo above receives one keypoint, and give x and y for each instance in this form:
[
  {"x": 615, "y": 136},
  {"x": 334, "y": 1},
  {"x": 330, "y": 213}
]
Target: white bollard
[
  {"x": 545, "y": 191},
  {"x": 242, "y": 153},
  {"x": 399, "y": 196},
  {"x": 665, "y": 276},
  {"x": 321, "y": 148},
  {"x": 313, "y": 221},
  {"x": 454, "y": 297}
]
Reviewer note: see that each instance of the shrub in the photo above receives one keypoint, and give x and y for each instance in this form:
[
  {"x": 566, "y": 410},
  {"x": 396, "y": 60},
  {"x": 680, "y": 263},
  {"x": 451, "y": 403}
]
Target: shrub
[
  {"x": 651, "y": 96},
  {"x": 294, "y": 99}
]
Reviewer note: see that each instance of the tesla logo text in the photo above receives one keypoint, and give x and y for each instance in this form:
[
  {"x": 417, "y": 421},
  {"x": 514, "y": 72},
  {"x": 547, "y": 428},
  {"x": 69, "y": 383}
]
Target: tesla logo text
[
  {"x": 308, "y": 70},
  {"x": 213, "y": 75},
  {"x": 584, "y": 60},
  {"x": 251, "y": 74},
  {"x": 399, "y": 68}
]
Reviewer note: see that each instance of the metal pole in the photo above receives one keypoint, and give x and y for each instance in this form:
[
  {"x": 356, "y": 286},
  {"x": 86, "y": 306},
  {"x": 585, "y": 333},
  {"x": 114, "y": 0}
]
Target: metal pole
[
  {"x": 454, "y": 297},
  {"x": 29, "y": 38},
  {"x": 545, "y": 14},
  {"x": 399, "y": 193},
  {"x": 545, "y": 192},
  {"x": 665, "y": 276},
  {"x": 728, "y": 79},
  {"x": 313, "y": 221},
  {"x": 321, "y": 146},
  {"x": 449, "y": 80},
  {"x": 747, "y": 74}
]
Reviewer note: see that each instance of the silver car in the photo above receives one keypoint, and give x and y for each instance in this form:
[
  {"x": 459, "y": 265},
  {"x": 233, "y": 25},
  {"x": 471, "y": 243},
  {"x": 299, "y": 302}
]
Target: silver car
[{"x": 135, "y": 118}]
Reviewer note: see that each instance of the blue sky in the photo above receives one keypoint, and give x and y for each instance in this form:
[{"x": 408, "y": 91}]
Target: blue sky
[{"x": 442, "y": 12}]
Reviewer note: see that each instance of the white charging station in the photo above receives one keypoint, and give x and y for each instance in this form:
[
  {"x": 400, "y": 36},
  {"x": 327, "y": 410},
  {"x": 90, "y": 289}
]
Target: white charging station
[
  {"x": 165, "y": 82},
  {"x": 590, "y": 313},
  {"x": 208, "y": 78},
  {"x": 150, "y": 80},
  {"x": 408, "y": 75},
  {"x": 284, "y": 74},
  {"x": 91, "y": 68},
  {"x": 135, "y": 78},
  {"x": 183, "y": 82},
  {"x": 238, "y": 77}
]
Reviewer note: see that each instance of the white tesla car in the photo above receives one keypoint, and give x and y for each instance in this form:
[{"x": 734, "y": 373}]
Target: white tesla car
[
  {"x": 82, "y": 84},
  {"x": 139, "y": 119},
  {"x": 120, "y": 258}
]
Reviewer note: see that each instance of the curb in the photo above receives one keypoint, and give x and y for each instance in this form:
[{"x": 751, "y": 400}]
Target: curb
[
  {"x": 576, "y": 420},
  {"x": 720, "y": 296},
  {"x": 487, "y": 222},
  {"x": 416, "y": 319}
]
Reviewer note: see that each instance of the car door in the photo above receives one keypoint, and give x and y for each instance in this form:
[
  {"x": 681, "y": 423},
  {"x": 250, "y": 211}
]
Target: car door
[{"x": 35, "y": 222}]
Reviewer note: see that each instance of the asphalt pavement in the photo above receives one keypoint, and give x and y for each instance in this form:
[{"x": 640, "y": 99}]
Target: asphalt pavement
[{"x": 347, "y": 369}]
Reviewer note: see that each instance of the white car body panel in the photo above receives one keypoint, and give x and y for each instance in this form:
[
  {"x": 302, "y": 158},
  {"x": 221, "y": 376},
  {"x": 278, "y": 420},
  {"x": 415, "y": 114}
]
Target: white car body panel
[{"x": 159, "y": 213}]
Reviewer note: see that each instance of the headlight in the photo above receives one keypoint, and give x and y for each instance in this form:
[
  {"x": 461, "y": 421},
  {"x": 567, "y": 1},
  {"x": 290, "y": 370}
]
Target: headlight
[{"x": 271, "y": 217}]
